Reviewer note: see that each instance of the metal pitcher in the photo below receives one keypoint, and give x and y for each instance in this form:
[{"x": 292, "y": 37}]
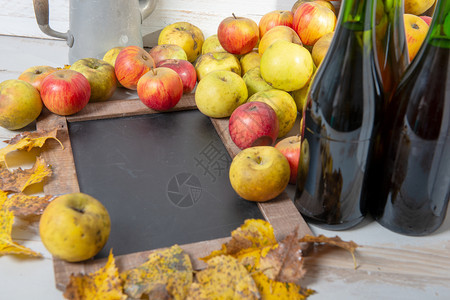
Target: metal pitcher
[{"x": 95, "y": 26}]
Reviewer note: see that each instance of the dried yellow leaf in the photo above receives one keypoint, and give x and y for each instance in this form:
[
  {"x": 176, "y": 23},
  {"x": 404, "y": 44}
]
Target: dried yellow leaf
[
  {"x": 167, "y": 273},
  {"x": 104, "y": 284},
  {"x": 25, "y": 207},
  {"x": 224, "y": 278},
  {"x": 275, "y": 290},
  {"x": 28, "y": 140},
  {"x": 18, "y": 180},
  {"x": 7, "y": 245}
]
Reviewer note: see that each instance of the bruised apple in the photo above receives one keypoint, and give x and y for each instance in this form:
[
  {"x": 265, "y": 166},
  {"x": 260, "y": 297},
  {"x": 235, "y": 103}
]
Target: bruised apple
[
  {"x": 259, "y": 173},
  {"x": 74, "y": 227}
]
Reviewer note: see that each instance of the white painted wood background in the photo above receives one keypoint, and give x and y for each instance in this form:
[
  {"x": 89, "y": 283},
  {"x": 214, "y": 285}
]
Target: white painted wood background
[{"x": 17, "y": 17}]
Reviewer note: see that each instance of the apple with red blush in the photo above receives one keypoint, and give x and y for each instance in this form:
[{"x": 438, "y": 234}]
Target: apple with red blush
[
  {"x": 238, "y": 35},
  {"x": 185, "y": 70},
  {"x": 253, "y": 124},
  {"x": 131, "y": 64},
  {"x": 35, "y": 75}
]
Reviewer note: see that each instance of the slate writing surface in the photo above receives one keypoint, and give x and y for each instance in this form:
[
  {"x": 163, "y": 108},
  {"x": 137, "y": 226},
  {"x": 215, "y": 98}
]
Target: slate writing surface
[{"x": 163, "y": 178}]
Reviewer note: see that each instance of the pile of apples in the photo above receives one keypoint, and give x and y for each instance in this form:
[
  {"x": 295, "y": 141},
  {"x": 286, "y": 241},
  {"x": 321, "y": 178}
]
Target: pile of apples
[{"x": 257, "y": 75}]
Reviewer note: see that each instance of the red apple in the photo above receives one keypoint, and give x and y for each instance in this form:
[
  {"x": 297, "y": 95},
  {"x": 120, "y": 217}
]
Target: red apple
[
  {"x": 167, "y": 51},
  {"x": 131, "y": 63},
  {"x": 427, "y": 19},
  {"x": 312, "y": 21},
  {"x": 253, "y": 124},
  {"x": 65, "y": 92},
  {"x": 35, "y": 75},
  {"x": 290, "y": 147},
  {"x": 160, "y": 89},
  {"x": 185, "y": 70},
  {"x": 238, "y": 35},
  {"x": 275, "y": 18}
]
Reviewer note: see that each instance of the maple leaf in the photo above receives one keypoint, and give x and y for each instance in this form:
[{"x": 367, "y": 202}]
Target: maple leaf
[
  {"x": 224, "y": 278},
  {"x": 26, "y": 141},
  {"x": 167, "y": 274},
  {"x": 104, "y": 284},
  {"x": 26, "y": 207},
  {"x": 273, "y": 290},
  {"x": 18, "y": 180},
  {"x": 285, "y": 262},
  {"x": 7, "y": 245},
  {"x": 253, "y": 234},
  {"x": 334, "y": 241}
]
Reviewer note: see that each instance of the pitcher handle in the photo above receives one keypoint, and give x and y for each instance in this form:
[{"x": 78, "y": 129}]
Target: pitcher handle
[
  {"x": 147, "y": 7},
  {"x": 41, "y": 12}
]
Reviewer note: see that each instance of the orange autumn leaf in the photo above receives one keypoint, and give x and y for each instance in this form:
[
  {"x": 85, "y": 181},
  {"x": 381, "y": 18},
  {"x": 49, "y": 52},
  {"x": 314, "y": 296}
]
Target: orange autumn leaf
[
  {"x": 25, "y": 207},
  {"x": 224, "y": 278},
  {"x": 28, "y": 140},
  {"x": 18, "y": 180},
  {"x": 253, "y": 234},
  {"x": 104, "y": 284},
  {"x": 334, "y": 241},
  {"x": 284, "y": 263},
  {"x": 274, "y": 290},
  {"x": 166, "y": 273},
  {"x": 7, "y": 245}
]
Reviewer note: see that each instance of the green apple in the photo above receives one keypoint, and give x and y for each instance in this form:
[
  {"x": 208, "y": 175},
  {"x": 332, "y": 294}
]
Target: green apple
[
  {"x": 284, "y": 106},
  {"x": 101, "y": 76},
  {"x": 249, "y": 61},
  {"x": 212, "y": 44},
  {"x": 220, "y": 93},
  {"x": 20, "y": 104},
  {"x": 74, "y": 227},
  {"x": 259, "y": 173},
  {"x": 286, "y": 66},
  {"x": 215, "y": 61},
  {"x": 254, "y": 82}
]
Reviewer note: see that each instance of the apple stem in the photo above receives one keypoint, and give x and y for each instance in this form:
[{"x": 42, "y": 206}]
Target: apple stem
[
  {"x": 233, "y": 15},
  {"x": 154, "y": 71}
]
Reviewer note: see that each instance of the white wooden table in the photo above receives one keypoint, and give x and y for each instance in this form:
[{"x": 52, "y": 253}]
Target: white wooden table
[{"x": 390, "y": 266}]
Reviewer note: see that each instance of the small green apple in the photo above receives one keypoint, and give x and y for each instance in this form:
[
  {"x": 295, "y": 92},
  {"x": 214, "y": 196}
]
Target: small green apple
[{"x": 254, "y": 82}]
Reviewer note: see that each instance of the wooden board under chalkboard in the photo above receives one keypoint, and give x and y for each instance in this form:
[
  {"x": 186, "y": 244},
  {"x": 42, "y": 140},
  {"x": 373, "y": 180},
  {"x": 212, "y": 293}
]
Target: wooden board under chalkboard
[{"x": 106, "y": 154}]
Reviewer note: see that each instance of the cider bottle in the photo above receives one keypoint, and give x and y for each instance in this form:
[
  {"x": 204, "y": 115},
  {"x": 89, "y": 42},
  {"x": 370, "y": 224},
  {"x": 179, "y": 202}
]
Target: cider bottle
[
  {"x": 413, "y": 176},
  {"x": 342, "y": 109}
]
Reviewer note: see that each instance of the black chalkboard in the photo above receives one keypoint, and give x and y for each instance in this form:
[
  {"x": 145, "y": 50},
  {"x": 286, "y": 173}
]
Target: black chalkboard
[{"x": 163, "y": 178}]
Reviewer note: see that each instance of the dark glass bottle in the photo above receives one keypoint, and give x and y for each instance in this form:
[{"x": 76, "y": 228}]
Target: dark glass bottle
[
  {"x": 412, "y": 169},
  {"x": 342, "y": 109},
  {"x": 390, "y": 43}
]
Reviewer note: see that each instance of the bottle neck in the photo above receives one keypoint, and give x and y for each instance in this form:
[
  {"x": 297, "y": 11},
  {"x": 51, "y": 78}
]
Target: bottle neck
[
  {"x": 439, "y": 31},
  {"x": 357, "y": 13}
]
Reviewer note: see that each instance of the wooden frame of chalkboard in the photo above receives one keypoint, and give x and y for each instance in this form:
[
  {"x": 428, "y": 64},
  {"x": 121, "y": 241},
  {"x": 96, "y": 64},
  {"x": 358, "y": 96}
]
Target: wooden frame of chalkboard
[{"x": 280, "y": 212}]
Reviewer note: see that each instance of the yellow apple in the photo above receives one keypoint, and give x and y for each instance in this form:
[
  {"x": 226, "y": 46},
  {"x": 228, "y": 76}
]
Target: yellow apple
[
  {"x": 35, "y": 75},
  {"x": 320, "y": 48},
  {"x": 20, "y": 104},
  {"x": 278, "y": 33},
  {"x": 74, "y": 227},
  {"x": 220, "y": 93},
  {"x": 215, "y": 61},
  {"x": 186, "y": 35},
  {"x": 212, "y": 44},
  {"x": 417, "y": 7},
  {"x": 111, "y": 55},
  {"x": 249, "y": 61},
  {"x": 416, "y": 30},
  {"x": 284, "y": 106},
  {"x": 254, "y": 82},
  {"x": 286, "y": 66},
  {"x": 259, "y": 173}
]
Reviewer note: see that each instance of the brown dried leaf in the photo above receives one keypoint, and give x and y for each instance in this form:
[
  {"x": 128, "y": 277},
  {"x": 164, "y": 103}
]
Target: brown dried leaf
[
  {"x": 26, "y": 207},
  {"x": 275, "y": 290},
  {"x": 28, "y": 140},
  {"x": 285, "y": 262},
  {"x": 253, "y": 234},
  {"x": 18, "y": 180},
  {"x": 334, "y": 241},
  {"x": 7, "y": 245},
  {"x": 167, "y": 274},
  {"x": 104, "y": 284},
  {"x": 224, "y": 278}
]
